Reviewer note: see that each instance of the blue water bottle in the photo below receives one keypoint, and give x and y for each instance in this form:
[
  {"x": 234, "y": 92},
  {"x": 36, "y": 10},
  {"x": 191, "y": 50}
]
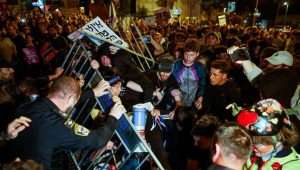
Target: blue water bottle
[{"x": 139, "y": 117}]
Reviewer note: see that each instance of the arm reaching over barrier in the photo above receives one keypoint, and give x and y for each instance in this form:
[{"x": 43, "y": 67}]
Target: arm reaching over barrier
[{"x": 118, "y": 109}]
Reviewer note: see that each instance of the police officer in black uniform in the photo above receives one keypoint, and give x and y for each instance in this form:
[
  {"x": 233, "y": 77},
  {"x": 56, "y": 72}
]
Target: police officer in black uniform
[{"x": 47, "y": 131}]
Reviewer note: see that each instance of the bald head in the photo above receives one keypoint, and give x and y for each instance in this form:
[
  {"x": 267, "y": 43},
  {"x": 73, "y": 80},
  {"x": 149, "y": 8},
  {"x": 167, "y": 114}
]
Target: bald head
[
  {"x": 65, "y": 85},
  {"x": 64, "y": 92}
]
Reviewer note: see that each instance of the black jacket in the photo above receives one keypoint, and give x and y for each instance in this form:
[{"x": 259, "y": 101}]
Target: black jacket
[
  {"x": 279, "y": 84},
  {"x": 167, "y": 103},
  {"x": 48, "y": 132},
  {"x": 125, "y": 67},
  {"x": 218, "y": 97},
  {"x": 218, "y": 167}
]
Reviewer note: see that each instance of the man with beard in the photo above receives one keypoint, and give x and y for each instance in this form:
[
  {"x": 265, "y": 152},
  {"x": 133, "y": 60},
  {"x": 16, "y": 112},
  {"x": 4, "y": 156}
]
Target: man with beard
[{"x": 48, "y": 131}]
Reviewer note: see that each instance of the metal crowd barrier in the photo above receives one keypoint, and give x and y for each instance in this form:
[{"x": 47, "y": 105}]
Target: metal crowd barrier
[{"x": 131, "y": 147}]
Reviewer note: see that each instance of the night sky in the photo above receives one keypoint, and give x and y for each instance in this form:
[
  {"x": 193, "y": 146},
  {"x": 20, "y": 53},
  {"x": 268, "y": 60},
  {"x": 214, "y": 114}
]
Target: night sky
[{"x": 268, "y": 8}]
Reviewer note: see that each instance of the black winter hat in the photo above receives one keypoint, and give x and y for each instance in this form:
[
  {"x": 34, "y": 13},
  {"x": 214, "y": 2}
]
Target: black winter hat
[{"x": 164, "y": 65}]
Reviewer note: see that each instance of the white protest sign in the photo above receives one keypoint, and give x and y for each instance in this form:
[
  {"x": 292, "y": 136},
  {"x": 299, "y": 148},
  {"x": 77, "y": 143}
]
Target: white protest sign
[
  {"x": 222, "y": 20},
  {"x": 98, "y": 29},
  {"x": 77, "y": 35}
]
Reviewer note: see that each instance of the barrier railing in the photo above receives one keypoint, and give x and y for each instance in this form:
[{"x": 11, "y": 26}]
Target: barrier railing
[{"x": 131, "y": 150}]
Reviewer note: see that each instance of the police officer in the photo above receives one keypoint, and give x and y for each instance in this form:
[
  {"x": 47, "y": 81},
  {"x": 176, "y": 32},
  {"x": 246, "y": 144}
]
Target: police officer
[{"x": 47, "y": 130}]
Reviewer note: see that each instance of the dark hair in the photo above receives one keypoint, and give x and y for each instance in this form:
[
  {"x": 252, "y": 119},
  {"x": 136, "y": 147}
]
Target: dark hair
[
  {"x": 164, "y": 65},
  {"x": 222, "y": 65},
  {"x": 36, "y": 7},
  {"x": 28, "y": 86},
  {"x": 23, "y": 165},
  {"x": 103, "y": 50},
  {"x": 183, "y": 116},
  {"x": 206, "y": 126},
  {"x": 52, "y": 26},
  {"x": 191, "y": 45},
  {"x": 233, "y": 41},
  {"x": 220, "y": 49},
  {"x": 211, "y": 34}
]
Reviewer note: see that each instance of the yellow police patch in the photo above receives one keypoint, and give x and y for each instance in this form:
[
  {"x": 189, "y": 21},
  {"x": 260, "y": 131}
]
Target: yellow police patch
[
  {"x": 80, "y": 130},
  {"x": 69, "y": 123},
  {"x": 77, "y": 129}
]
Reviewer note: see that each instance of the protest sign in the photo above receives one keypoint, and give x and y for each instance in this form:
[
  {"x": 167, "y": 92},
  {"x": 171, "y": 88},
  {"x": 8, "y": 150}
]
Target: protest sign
[{"x": 100, "y": 30}]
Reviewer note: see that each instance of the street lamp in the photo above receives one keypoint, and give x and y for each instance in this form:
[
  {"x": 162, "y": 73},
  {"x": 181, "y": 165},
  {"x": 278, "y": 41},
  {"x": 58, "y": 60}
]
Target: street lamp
[{"x": 286, "y": 5}]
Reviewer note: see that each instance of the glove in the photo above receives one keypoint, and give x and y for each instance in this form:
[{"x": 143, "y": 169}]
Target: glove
[{"x": 250, "y": 69}]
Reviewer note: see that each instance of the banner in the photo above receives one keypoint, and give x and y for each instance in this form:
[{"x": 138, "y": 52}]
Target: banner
[
  {"x": 100, "y": 30},
  {"x": 222, "y": 20},
  {"x": 77, "y": 35}
]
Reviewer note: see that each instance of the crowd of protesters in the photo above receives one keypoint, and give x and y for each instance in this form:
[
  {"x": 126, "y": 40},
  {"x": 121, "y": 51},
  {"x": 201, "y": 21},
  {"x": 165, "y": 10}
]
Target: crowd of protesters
[{"x": 200, "y": 70}]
